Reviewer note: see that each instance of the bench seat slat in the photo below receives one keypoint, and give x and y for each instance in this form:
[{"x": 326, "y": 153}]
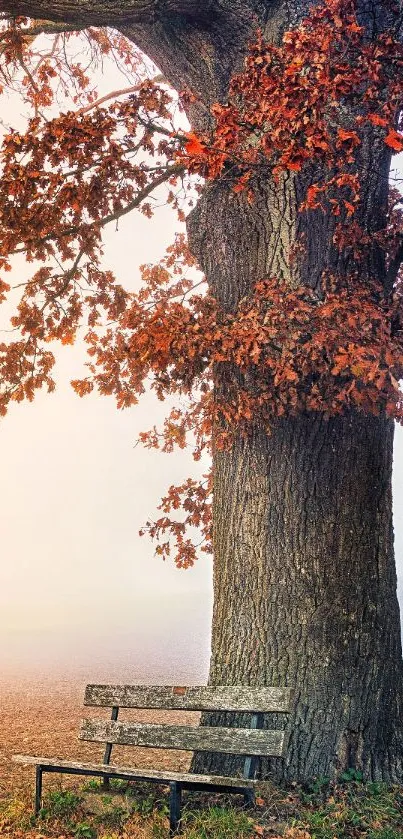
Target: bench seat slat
[
  {"x": 240, "y": 741},
  {"x": 140, "y": 774},
  {"x": 193, "y": 698}
]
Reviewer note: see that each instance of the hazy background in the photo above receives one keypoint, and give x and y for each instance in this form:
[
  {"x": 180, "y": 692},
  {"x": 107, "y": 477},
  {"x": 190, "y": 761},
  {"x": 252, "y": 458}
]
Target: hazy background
[
  {"x": 76, "y": 580},
  {"x": 80, "y": 591}
]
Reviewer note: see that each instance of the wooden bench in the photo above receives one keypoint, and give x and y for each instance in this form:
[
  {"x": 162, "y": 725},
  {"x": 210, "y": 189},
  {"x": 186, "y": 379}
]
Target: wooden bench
[{"x": 251, "y": 742}]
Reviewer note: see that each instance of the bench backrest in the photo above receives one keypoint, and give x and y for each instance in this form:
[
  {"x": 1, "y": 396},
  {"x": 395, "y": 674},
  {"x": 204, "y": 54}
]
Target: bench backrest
[
  {"x": 206, "y": 698},
  {"x": 253, "y": 741}
]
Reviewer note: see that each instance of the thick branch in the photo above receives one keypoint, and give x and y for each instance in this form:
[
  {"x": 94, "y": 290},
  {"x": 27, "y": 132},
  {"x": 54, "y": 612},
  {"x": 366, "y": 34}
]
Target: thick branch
[
  {"x": 107, "y": 12},
  {"x": 197, "y": 44},
  {"x": 46, "y": 27}
]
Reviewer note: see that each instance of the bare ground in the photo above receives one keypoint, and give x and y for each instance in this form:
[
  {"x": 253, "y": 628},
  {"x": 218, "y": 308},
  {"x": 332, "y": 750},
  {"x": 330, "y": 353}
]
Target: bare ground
[{"x": 43, "y": 718}]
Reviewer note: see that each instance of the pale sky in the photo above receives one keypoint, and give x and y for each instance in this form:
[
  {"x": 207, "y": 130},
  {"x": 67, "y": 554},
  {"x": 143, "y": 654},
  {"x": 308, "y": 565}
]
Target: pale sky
[{"x": 74, "y": 492}]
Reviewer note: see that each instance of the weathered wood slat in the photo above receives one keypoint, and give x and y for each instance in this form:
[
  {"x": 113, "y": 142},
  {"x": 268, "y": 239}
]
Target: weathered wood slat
[
  {"x": 204, "y": 698},
  {"x": 144, "y": 774},
  {"x": 241, "y": 741}
]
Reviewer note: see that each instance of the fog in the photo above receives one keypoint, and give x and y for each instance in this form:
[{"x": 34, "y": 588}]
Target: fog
[{"x": 77, "y": 583}]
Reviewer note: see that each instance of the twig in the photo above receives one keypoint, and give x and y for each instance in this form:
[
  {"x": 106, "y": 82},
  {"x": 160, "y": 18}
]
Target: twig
[{"x": 114, "y": 94}]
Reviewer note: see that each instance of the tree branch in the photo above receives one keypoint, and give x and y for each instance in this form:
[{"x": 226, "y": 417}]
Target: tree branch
[
  {"x": 196, "y": 44},
  {"x": 176, "y": 169},
  {"x": 82, "y": 13},
  {"x": 115, "y": 94},
  {"x": 46, "y": 27}
]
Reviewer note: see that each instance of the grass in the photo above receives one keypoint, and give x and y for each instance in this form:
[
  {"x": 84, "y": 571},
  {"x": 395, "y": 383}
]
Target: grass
[{"x": 349, "y": 809}]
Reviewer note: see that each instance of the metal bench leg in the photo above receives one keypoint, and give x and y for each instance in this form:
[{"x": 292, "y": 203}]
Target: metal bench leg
[
  {"x": 249, "y": 798},
  {"x": 105, "y": 785},
  {"x": 175, "y": 799},
  {"x": 38, "y": 789}
]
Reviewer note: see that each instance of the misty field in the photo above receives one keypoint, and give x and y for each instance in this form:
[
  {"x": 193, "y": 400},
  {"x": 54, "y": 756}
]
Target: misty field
[{"x": 43, "y": 718}]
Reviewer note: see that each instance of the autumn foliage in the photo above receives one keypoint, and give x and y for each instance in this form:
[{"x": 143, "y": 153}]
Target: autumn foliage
[{"x": 306, "y": 108}]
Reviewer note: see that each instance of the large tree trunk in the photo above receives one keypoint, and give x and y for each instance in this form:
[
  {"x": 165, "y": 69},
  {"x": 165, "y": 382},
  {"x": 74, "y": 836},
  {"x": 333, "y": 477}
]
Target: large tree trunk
[
  {"x": 304, "y": 576},
  {"x": 305, "y": 588},
  {"x": 304, "y": 572}
]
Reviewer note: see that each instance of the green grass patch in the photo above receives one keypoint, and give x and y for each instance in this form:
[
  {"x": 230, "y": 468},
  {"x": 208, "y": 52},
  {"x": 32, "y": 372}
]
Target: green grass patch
[
  {"x": 349, "y": 809},
  {"x": 352, "y": 809},
  {"x": 60, "y": 804},
  {"x": 217, "y": 823}
]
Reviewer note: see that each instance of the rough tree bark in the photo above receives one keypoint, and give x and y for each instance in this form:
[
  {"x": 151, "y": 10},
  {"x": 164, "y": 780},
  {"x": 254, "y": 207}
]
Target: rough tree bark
[{"x": 304, "y": 574}]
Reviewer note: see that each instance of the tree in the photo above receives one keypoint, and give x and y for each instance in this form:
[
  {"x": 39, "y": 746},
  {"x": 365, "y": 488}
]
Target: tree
[{"x": 294, "y": 116}]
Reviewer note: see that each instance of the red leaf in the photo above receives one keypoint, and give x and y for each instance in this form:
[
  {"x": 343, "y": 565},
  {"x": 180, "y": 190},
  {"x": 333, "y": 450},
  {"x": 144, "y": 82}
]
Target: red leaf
[
  {"x": 295, "y": 166},
  {"x": 376, "y": 119},
  {"x": 193, "y": 144},
  {"x": 349, "y": 135},
  {"x": 394, "y": 140},
  {"x": 311, "y": 194}
]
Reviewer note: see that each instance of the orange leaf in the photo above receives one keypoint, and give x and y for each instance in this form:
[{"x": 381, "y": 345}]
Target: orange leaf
[
  {"x": 353, "y": 27},
  {"x": 376, "y": 119},
  {"x": 349, "y": 135},
  {"x": 193, "y": 144},
  {"x": 311, "y": 194},
  {"x": 69, "y": 337},
  {"x": 295, "y": 166},
  {"x": 394, "y": 140}
]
